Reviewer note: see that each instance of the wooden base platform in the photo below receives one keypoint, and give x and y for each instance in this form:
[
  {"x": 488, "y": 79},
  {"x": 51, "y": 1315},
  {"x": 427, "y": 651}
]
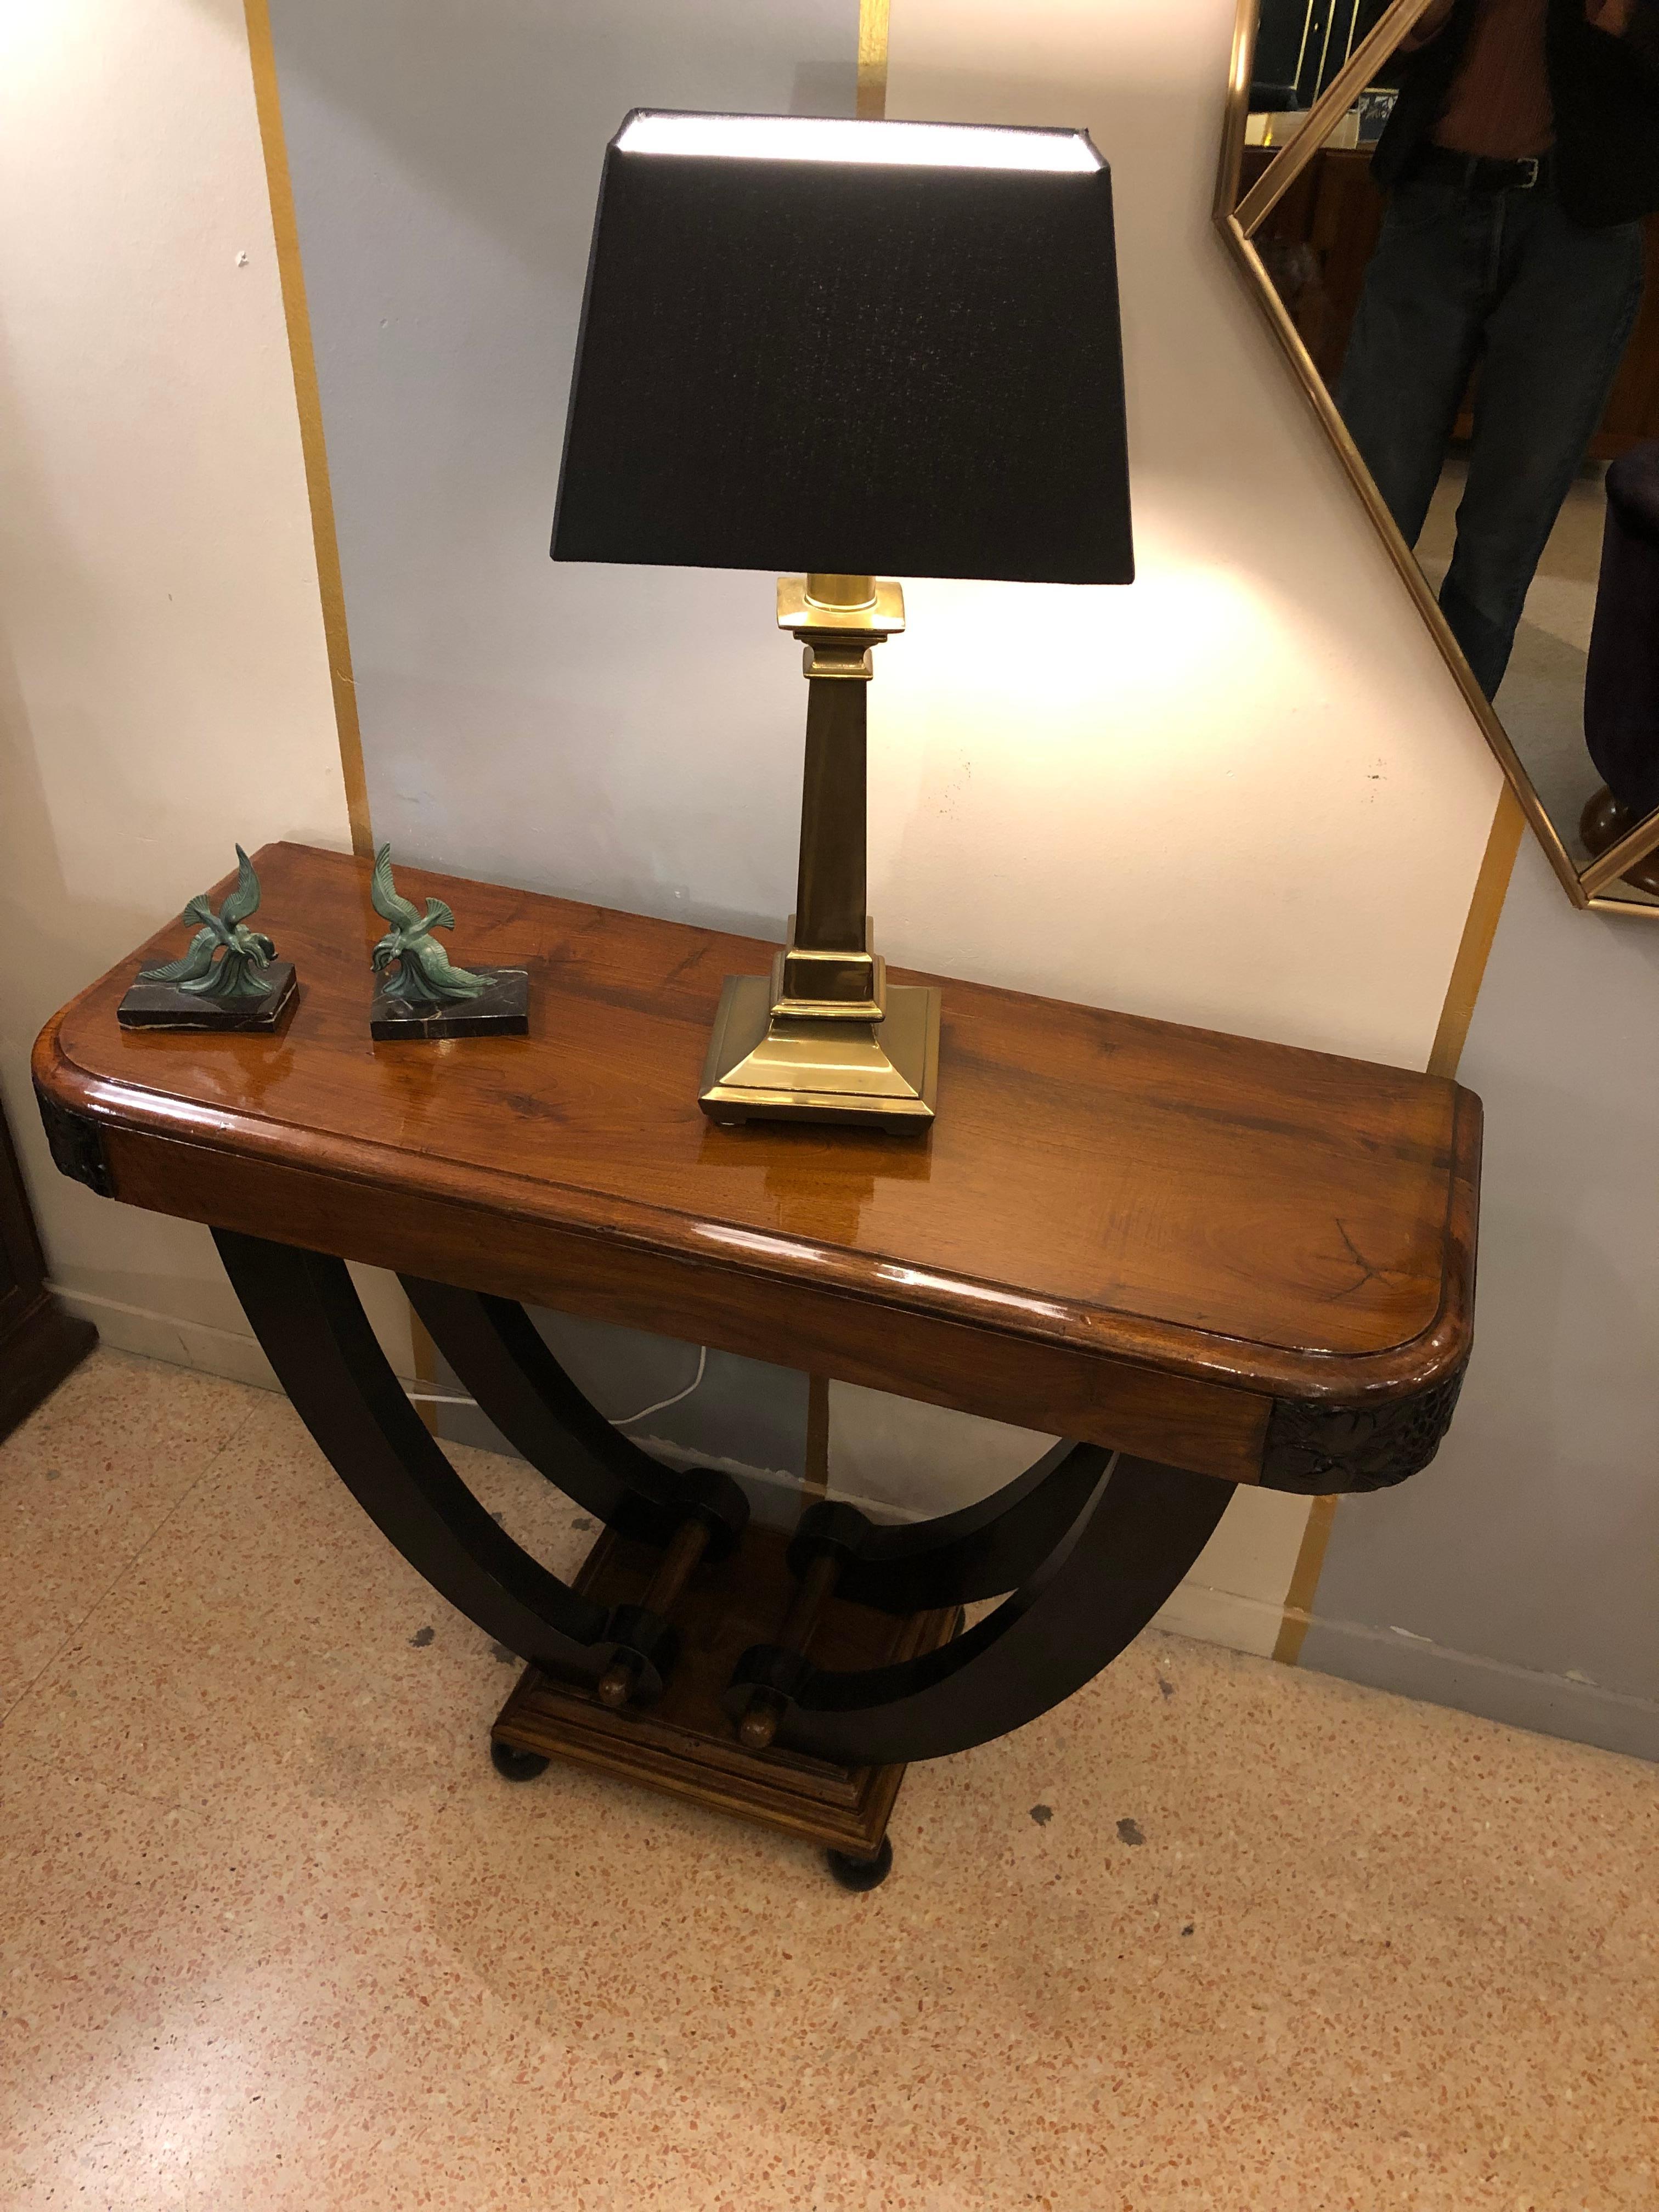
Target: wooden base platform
[
  {"x": 686, "y": 1744},
  {"x": 501, "y": 1011},
  {"x": 164, "y": 1006}
]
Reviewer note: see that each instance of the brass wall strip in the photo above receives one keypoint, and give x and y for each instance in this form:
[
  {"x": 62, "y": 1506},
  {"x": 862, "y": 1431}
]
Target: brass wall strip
[
  {"x": 1490, "y": 887},
  {"x": 1304, "y": 1580},
  {"x": 425, "y": 1354},
  {"x": 302, "y": 355},
  {"x": 871, "y": 105},
  {"x": 816, "y": 1483},
  {"x": 1331, "y": 106}
]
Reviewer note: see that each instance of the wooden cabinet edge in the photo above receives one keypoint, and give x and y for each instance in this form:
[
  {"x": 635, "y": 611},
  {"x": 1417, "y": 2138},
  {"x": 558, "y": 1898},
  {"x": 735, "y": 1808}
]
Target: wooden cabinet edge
[{"x": 46, "y": 1344}]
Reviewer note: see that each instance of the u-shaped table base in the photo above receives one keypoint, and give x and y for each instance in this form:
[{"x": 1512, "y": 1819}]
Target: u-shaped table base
[{"x": 1087, "y": 1545}]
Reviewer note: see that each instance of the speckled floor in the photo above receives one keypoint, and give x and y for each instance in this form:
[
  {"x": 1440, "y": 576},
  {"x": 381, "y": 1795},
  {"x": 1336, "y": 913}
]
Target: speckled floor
[{"x": 273, "y": 1934}]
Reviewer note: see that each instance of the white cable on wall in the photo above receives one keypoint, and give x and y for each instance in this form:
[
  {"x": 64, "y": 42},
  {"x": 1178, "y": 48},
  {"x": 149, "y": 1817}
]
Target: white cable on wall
[
  {"x": 662, "y": 1404},
  {"x": 627, "y": 1421}
]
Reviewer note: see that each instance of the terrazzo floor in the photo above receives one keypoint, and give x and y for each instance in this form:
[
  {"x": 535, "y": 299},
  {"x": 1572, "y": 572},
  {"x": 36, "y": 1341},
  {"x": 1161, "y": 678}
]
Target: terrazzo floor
[{"x": 1214, "y": 1935}]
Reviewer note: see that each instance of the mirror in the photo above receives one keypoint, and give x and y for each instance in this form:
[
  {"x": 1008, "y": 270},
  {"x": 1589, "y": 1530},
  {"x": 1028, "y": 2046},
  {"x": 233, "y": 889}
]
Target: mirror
[{"x": 1468, "y": 282}]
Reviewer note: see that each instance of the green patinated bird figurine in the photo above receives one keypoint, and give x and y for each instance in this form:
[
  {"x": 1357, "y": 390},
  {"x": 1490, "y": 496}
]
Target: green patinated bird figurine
[
  {"x": 225, "y": 956},
  {"x": 424, "y": 977}
]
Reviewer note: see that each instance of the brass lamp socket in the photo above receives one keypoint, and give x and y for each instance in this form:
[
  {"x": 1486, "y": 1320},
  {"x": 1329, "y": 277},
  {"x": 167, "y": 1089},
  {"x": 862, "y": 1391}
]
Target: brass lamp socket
[
  {"x": 881, "y": 615},
  {"x": 841, "y": 594}
]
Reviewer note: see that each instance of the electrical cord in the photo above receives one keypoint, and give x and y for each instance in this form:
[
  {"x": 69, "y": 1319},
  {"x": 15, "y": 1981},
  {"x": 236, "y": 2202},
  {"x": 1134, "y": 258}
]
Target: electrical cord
[
  {"x": 662, "y": 1404},
  {"x": 627, "y": 1421}
]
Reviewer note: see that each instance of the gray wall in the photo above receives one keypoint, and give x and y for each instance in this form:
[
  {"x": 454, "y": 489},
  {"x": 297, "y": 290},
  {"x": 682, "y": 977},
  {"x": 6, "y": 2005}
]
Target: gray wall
[
  {"x": 1518, "y": 1577},
  {"x": 445, "y": 160}
]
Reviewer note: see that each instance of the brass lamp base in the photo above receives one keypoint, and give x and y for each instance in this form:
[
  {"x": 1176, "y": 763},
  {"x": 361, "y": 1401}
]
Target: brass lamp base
[
  {"x": 825, "y": 1037},
  {"x": 881, "y": 1074}
]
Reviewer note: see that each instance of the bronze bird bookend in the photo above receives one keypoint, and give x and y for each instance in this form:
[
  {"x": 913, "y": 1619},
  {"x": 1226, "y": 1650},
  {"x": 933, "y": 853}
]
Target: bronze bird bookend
[
  {"x": 422, "y": 992},
  {"x": 229, "y": 977}
]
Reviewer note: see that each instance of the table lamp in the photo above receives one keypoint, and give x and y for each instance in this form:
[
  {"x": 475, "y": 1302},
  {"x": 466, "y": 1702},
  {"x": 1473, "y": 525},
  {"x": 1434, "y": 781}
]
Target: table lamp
[{"x": 843, "y": 348}]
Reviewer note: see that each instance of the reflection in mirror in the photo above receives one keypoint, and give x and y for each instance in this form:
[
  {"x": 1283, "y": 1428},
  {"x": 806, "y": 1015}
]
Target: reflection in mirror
[
  {"x": 1464, "y": 258},
  {"x": 1300, "y": 47}
]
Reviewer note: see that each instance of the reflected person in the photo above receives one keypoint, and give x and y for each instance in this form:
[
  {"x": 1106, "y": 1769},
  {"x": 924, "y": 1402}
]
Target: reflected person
[{"x": 1521, "y": 158}]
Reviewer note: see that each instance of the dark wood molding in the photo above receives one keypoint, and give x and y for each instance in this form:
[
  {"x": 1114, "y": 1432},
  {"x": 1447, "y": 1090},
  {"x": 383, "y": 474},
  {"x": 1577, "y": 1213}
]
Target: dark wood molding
[
  {"x": 1316, "y": 1449},
  {"x": 77, "y": 1148}
]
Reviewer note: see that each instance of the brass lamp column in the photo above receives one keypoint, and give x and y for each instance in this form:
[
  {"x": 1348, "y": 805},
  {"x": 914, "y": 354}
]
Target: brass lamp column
[{"x": 825, "y": 1038}]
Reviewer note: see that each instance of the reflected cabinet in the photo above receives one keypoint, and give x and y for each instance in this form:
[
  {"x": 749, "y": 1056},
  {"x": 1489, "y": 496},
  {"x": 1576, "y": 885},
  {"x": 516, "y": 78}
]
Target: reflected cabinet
[{"x": 1448, "y": 210}]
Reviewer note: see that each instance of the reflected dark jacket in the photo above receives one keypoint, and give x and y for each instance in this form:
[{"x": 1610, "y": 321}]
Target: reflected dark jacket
[{"x": 1607, "y": 109}]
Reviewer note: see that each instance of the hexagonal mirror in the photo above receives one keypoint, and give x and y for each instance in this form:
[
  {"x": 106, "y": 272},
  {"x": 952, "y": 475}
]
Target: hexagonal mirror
[{"x": 1447, "y": 210}]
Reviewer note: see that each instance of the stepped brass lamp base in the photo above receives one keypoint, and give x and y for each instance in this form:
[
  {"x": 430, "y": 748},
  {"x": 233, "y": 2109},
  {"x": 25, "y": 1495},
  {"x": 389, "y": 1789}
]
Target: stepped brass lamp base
[
  {"x": 825, "y": 1038},
  {"x": 882, "y": 1074}
]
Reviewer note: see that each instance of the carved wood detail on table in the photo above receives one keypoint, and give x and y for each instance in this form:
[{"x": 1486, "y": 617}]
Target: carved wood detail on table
[{"x": 1316, "y": 1449}]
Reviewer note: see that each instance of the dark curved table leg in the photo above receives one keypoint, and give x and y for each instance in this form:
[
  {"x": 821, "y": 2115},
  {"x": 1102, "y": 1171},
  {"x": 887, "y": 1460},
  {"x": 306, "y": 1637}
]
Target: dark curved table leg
[
  {"x": 985, "y": 1549},
  {"x": 497, "y": 1350},
  {"x": 306, "y": 1313},
  {"x": 1135, "y": 1536}
]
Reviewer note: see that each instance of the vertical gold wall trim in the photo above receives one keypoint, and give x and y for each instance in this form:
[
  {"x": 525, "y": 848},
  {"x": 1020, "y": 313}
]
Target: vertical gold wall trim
[
  {"x": 872, "y": 60},
  {"x": 817, "y": 1484},
  {"x": 262, "y": 59},
  {"x": 425, "y": 1358},
  {"x": 1490, "y": 887},
  {"x": 1304, "y": 1580},
  {"x": 870, "y": 106}
]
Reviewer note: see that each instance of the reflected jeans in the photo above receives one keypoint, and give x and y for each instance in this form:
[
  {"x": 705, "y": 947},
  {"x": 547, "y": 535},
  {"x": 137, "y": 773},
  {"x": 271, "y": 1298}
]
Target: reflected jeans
[{"x": 1546, "y": 308}]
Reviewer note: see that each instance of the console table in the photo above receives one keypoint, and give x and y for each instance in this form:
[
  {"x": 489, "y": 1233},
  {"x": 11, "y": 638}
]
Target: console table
[{"x": 1203, "y": 1260}]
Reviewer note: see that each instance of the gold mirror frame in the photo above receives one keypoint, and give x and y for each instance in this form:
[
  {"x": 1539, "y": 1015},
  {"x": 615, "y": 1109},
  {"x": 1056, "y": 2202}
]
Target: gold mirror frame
[{"x": 1238, "y": 220}]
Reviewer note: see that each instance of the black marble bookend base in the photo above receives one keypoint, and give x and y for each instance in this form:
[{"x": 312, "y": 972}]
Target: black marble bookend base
[
  {"x": 501, "y": 1011},
  {"x": 164, "y": 1006}
]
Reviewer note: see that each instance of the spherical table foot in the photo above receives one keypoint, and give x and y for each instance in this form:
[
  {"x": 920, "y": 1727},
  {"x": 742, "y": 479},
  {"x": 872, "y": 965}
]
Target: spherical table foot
[
  {"x": 862, "y": 1874},
  {"x": 515, "y": 1766}
]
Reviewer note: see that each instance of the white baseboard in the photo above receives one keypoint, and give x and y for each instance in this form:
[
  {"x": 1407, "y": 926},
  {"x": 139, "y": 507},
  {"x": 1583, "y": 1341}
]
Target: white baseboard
[
  {"x": 1519, "y": 1696},
  {"x": 1223, "y": 1616},
  {"x": 179, "y": 1343}
]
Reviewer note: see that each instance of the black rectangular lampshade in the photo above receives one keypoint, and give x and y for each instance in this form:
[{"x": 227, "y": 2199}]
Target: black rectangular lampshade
[{"x": 863, "y": 348}]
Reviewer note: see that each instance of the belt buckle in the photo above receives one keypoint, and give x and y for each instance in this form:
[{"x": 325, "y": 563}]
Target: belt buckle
[{"x": 1532, "y": 166}]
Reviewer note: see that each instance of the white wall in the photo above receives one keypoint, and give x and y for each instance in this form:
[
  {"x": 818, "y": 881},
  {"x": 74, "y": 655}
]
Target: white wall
[{"x": 163, "y": 686}]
